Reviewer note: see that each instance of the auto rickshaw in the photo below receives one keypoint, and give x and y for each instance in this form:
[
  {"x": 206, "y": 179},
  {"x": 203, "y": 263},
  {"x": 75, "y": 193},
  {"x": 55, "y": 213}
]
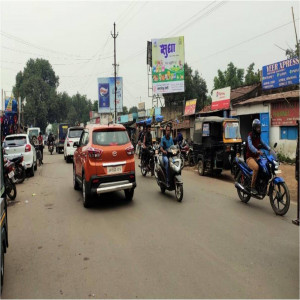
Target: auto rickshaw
[{"x": 216, "y": 143}]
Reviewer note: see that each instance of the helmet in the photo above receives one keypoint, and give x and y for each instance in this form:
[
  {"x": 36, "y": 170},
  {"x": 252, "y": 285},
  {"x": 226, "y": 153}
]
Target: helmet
[{"x": 256, "y": 126}]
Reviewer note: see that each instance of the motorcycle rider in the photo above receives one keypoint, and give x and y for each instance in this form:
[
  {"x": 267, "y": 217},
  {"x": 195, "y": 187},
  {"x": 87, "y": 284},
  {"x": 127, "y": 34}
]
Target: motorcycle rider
[
  {"x": 141, "y": 139},
  {"x": 253, "y": 153},
  {"x": 166, "y": 143},
  {"x": 179, "y": 138},
  {"x": 50, "y": 139},
  {"x": 147, "y": 141}
]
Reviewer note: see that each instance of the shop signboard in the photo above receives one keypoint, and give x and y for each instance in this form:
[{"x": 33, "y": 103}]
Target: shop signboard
[
  {"x": 168, "y": 65},
  {"x": 280, "y": 74},
  {"x": 190, "y": 107},
  {"x": 106, "y": 94},
  {"x": 130, "y": 117},
  {"x": 284, "y": 113},
  {"x": 221, "y": 99},
  {"x": 142, "y": 114}
]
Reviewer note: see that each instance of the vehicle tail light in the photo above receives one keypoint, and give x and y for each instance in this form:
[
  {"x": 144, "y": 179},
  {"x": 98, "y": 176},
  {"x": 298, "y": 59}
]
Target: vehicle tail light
[
  {"x": 28, "y": 148},
  {"x": 130, "y": 150},
  {"x": 94, "y": 153},
  {"x": 95, "y": 180}
]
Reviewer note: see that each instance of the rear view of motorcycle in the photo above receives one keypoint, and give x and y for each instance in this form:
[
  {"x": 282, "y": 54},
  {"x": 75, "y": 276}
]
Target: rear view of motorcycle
[
  {"x": 9, "y": 180},
  {"x": 175, "y": 180},
  {"x": 149, "y": 165},
  {"x": 19, "y": 168},
  {"x": 267, "y": 183}
]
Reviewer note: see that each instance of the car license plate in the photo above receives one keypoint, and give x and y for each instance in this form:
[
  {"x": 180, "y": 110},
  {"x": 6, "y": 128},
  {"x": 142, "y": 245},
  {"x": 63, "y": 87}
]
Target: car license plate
[
  {"x": 114, "y": 170},
  {"x": 11, "y": 174}
]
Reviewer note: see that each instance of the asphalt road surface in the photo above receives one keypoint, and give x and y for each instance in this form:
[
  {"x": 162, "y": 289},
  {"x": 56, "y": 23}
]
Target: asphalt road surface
[{"x": 209, "y": 246}]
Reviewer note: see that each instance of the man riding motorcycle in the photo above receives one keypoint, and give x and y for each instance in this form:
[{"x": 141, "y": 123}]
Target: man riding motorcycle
[
  {"x": 166, "y": 143},
  {"x": 140, "y": 140},
  {"x": 147, "y": 141},
  {"x": 253, "y": 153},
  {"x": 50, "y": 139}
]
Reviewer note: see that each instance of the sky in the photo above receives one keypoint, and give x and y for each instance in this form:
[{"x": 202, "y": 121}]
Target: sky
[{"x": 75, "y": 36}]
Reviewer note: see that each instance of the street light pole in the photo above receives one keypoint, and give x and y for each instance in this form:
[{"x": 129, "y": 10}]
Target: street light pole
[{"x": 115, "y": 67}]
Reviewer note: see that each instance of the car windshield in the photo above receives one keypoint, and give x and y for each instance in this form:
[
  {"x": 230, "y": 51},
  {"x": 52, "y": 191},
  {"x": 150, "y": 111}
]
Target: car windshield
[
  {"x": 33, "y": 132},
  {"x": 15, "y": 141},
  {"x": 232, "y": 130},
  {"x": 76, "y": 133},
  {"x": 106, "y": 138}
]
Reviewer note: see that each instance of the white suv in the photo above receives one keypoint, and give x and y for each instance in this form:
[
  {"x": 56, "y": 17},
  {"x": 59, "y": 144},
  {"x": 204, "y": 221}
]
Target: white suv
[
  {"x": 73, "y": 135},
  {"x": 19, "y": 144}
]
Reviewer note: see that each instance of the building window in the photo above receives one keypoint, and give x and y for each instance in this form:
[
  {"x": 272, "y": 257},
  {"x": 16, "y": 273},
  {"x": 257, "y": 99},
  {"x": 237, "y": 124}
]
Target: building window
[{"x": 288, "y": 132}]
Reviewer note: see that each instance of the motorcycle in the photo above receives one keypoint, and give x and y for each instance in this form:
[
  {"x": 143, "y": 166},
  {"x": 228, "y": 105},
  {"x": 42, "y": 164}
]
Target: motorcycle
[
  {"x": 176, "y": 183},
  {"x": 186, "y": 150},
  {"x": 20, "y": 172},
  {"x": 51, "y": 148},
  {"x": 267, "y": 183},
  {"x": 9, "y": 180},
  {"x": 38, "y": 154},
  {"x": 145, "y": 168}
]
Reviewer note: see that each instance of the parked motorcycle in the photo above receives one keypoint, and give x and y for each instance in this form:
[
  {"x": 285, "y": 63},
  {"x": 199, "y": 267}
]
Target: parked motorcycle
[
  {"x": 148, "y": 167},
  {"x": 186, "y": 150},
  {"x": 175, "y": 181},
  {"x": 20, "y": 172},
  {"x": 267, "y": 183},
  {"x": 38, "y": 154},
  {"x": 9, "y": 180}
]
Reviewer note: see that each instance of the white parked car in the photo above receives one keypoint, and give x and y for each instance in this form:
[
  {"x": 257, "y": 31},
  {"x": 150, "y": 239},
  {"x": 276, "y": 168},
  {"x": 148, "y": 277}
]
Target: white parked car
[
  {"x": 19, "y": 144},
  {"x": 73, "y": 135}
]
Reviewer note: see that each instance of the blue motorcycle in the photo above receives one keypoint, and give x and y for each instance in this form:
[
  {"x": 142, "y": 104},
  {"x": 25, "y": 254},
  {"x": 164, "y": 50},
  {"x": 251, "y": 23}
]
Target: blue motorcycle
[{"x": 267, "y": 183}]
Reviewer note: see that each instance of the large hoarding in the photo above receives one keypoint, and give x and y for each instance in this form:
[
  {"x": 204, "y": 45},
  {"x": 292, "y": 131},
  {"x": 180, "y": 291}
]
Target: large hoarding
[
  {"x": 106, "y": 94},
  {"x": 221, "y": 99},
  {"x": 168, "y": 65},
  {"x": 190, "y": 107},
  {"x": 280, "y": 74}
]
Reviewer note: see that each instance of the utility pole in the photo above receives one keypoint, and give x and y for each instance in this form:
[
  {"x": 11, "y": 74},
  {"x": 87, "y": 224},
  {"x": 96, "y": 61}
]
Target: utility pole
[
  {"x": 295, "y": 27},
  {"x": 115, "y": 66}
]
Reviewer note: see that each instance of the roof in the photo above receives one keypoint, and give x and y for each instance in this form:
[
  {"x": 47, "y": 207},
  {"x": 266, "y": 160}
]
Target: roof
[
  {"x": 243, "y": 90},
  {"x": 98, "y": 126},
  {"x": 214, "y": 119},
  {"x": 270, "y": 98}
]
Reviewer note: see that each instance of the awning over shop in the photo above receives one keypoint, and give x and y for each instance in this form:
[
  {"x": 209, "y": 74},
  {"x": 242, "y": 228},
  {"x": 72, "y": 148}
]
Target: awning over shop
[{"x": 270, "y": 98}]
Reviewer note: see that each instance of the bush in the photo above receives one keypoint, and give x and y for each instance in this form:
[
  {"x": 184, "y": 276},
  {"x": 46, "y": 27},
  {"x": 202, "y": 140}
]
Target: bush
[{"x": 283, "y": 158}]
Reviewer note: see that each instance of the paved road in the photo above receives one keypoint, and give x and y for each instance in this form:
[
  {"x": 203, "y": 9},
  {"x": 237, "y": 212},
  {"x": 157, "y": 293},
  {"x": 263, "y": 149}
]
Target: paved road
[{"x": 209, "y": 246}]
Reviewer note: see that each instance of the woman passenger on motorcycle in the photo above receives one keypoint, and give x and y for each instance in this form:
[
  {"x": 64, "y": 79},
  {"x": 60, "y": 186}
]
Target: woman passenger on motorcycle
[
  {"x": 166, "y": 143},
  {"x": 253, "y": 153}
]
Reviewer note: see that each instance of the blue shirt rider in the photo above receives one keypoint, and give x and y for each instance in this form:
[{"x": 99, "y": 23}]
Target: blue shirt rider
[{"x": 166, "y": 143}]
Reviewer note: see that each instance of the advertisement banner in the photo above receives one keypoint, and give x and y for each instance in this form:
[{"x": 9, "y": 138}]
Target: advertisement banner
[
  {"x": 285, "y": 114},
  {"x": 190, "y": 107},
  {"x": 106, "y": 94},
  {"x": 221, "y": 99},
  {"x": 280, "y": 74},
  {"x": 168, "y": 65},
  {"x": 142, "y": 114},
  {"x": 141, "y": 106}
]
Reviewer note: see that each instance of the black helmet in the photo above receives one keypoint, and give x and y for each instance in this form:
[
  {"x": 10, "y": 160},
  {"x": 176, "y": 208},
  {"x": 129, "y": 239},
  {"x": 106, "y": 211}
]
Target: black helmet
[{"x": 256, "y": 126}]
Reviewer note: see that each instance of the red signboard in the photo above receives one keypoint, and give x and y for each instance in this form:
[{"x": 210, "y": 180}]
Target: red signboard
[
  {"x": 190, "y": 107},
  {"x": 285, "y": 113},
  {"x": 221, "y": 99}
]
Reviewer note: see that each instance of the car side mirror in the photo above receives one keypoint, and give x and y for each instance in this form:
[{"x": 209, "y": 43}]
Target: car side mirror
[
  {"x": 275, "y": 145},
  {"x": 76, "y": 145}
]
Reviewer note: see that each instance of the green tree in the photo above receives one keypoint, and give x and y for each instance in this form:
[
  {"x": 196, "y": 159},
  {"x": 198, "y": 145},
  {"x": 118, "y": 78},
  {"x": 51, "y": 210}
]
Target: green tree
[
  {"x": 251, "y": 76},
  {"x": 125, "y": 110},
  {"x": 133, "y": 109},
  {"x": 72, "y": 116},
  {"x": 195, "y": 88},
  {"x": 290, "y": 53},
  {"x": 38, "y": 84},
  {"x": 95, "y": 105},
  {"x": 232, "y": 77}
]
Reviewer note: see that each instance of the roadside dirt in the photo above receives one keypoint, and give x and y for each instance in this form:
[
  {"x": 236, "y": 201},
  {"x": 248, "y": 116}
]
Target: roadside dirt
[{"x": 288, "y": 173}]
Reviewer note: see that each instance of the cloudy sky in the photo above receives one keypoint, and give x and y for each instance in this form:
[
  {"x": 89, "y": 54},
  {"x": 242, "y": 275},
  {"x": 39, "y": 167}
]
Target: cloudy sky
[{"x": 75, "y": 36}]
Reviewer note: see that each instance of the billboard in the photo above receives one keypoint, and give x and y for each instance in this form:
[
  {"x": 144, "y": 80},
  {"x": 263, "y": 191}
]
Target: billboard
[
  {"x": 221, "y": 99},
  {"x": 141, "y": 106},
  {"x": 190, "y": 107},
  {"x": 106, "y": 94},
  {"x": 168, "y": 65},
  {"x": 280, "y": 74},
  {"x": 285, "y": 113}
]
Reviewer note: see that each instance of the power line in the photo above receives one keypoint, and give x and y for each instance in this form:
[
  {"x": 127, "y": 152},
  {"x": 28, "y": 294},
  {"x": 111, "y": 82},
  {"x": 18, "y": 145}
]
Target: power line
[{"x": 245, "y": 41}]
